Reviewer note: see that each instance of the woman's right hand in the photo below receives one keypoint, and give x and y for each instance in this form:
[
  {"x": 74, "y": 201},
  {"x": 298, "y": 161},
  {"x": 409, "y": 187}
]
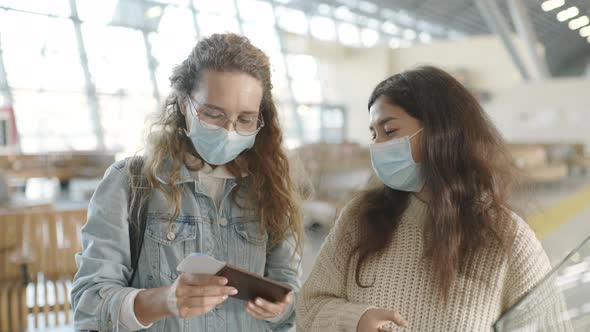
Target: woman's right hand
[
  {"x": 375, "y": 320},
  {"x": 190, "y": 295},
  {"x": 196, "y": 294}
]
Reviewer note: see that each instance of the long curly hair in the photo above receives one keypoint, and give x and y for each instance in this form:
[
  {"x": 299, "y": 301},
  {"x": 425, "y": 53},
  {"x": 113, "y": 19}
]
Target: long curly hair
[
  {"x": 467, "y": 170},
  {"x": 269, "y": 188}
]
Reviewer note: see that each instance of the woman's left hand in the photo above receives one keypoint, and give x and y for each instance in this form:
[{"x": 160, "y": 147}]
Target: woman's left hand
[{"x": 262, "y": 309}]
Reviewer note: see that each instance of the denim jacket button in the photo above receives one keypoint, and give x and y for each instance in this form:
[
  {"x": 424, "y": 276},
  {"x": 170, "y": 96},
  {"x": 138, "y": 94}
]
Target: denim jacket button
[
  {"x": 223, "y": 222},
  {"x": 171, "y": 236}
]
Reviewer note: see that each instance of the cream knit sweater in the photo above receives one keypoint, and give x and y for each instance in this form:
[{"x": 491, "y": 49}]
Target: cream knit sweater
[{"x": 330, "y": 300}]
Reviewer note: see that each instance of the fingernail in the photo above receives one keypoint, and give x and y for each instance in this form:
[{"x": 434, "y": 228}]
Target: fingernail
[
  {"x": 233, "y": 291},
  {"x": 222, "y": 281},
  {"x": 225, "y": 297},
  {"x": 259, "y": 301}
]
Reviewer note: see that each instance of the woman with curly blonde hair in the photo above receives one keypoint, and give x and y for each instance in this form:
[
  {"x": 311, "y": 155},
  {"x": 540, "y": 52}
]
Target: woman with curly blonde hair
[{"x": 215, "y": 170}]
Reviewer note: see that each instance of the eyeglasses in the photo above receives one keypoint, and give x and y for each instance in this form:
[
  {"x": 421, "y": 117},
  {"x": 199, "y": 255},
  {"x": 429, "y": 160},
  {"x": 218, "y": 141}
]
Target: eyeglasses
[{"x": 212, "y": 119}]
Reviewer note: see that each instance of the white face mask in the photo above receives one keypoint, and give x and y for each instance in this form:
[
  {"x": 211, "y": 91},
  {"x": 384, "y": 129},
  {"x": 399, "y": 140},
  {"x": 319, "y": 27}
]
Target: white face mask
[
  {"x": 218, "y": 146},
  {"x": 394, "y": 165}
]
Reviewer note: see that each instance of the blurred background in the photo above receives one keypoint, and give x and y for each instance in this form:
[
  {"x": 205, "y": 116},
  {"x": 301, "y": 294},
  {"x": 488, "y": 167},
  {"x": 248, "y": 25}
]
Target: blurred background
[{"x": 79, "y": 79}]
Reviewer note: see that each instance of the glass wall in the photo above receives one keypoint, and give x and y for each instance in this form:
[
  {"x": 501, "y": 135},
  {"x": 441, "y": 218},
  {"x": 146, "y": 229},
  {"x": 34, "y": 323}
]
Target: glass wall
[{"x": 105, "y": 64}]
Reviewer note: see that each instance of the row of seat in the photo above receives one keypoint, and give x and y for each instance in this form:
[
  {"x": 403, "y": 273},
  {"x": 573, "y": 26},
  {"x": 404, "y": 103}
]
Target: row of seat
[{"x": 37, "y": 248}]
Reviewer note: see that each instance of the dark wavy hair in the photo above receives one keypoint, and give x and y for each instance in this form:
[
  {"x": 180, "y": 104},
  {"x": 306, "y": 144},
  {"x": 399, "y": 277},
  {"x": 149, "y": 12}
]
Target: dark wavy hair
[{"x": 467, "y": 170}]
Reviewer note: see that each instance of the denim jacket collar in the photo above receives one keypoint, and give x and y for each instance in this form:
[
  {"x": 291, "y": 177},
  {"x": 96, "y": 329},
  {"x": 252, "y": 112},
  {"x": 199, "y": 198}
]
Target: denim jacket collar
[
  {"x": 164, "y": 173},
  {"x": 163, "y": 176}
]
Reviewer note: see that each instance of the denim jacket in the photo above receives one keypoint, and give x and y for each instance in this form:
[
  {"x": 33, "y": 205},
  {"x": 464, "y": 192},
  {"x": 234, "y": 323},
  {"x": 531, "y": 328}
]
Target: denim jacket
[{"x": 104, "y": 266}]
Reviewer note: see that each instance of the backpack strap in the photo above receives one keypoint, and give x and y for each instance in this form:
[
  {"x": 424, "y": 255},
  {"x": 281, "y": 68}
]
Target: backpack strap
[{"x": 137, "y": 214}]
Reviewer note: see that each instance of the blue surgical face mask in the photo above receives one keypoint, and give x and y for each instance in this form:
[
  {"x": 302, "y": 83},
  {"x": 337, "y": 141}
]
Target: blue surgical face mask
[
  {"x": 394, "y": 165},
  {"x": 216, "y": 145}
]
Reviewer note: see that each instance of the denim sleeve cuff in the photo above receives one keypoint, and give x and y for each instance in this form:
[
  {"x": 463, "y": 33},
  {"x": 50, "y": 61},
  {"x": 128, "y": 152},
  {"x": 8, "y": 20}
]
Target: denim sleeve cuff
[
  {"x": 112, "y": 301},
  {"x": 127, "y": 316}
]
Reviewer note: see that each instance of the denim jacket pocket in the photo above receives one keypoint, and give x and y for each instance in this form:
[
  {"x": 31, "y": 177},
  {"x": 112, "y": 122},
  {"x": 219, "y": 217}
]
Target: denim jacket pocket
[
  {"x": 250, "y": 244},
  {"x": 168, "y": 243},
  {"x": 249, "y": 230}
]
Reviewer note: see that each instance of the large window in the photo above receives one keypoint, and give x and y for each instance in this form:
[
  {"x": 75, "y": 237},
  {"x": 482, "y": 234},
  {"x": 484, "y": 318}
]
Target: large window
[
  {"x": 53, "y": 121},
  {"x": 306, "y": 86},
  {"x": 117, "y": 59},
  {"x": 46, "y": 80},
  {"x": 172, "y": 43},
  {"x": 263, "y": 36},
  {"x": 124, "y": 118},
  {"x": 96, "y": 12},
  {"x": 49, "y": 7},
  {"x": 113, "y": 70},
  {"x": 43, "y": 56},
  {"x": 322, "y": 123},
  {"x": 216, "y": 16}
]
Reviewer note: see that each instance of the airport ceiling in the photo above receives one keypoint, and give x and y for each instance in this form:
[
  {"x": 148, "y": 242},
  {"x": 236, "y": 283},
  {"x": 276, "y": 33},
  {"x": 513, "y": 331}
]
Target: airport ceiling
[{"x": 567, "y": 52}]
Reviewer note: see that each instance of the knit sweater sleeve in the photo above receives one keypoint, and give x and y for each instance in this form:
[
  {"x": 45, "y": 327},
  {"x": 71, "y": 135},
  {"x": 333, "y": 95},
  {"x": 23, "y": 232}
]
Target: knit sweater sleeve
[
  {"x": 323, "y": 304},
  {"x": 528, "y": 264},
  {"x": 528, "y": 272}
]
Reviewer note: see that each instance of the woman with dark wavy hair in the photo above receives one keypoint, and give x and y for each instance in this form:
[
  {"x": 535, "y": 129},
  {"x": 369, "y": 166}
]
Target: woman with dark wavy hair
[
  {"x": 434, "y": 246},
  {"x": 219, "y": 185}
]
